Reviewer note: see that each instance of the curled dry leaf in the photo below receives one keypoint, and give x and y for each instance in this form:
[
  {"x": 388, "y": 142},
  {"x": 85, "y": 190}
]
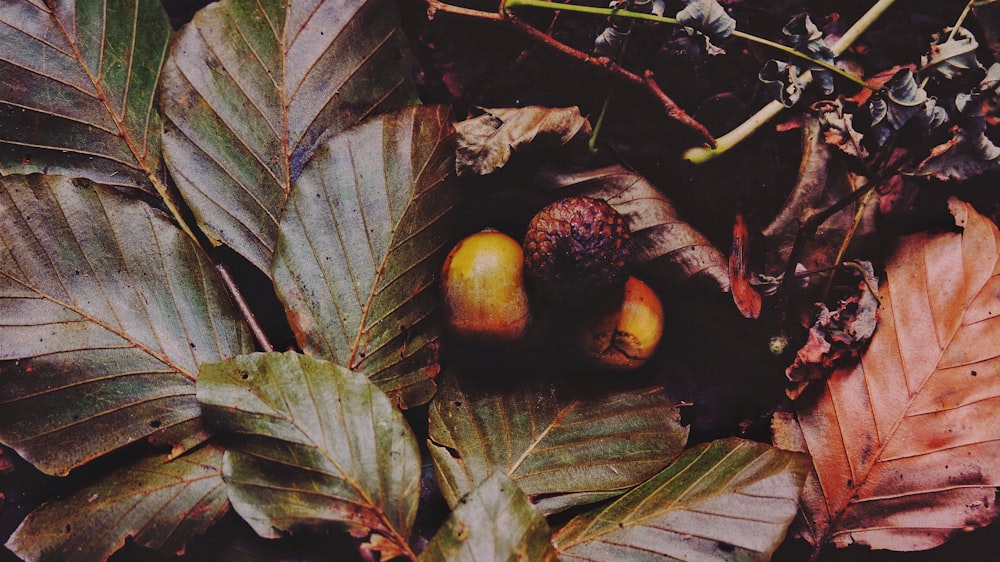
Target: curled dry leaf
[
  {"x": 902, "y": 101},
  {"x": 952, "y": 54},
  {"x": 709, "y": 18},
  {"x": 837, "y": 336},
  {"x": 664, "y": 246},
  {"x": 905, "y": 443},
  {"x": 487, "y": 142}
]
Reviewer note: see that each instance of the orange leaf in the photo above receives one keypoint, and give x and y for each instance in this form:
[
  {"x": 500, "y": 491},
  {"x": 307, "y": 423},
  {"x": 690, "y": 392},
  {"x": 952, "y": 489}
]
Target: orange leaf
[
  {"x": 906, "y": 444},
  {"x": 747, "y": 299}
]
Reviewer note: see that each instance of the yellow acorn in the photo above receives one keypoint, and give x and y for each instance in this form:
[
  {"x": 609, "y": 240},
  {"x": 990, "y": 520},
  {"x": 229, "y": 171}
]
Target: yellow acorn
[
  {"x": 482, "y": 289},
  {"x": 625, "y": 335}
]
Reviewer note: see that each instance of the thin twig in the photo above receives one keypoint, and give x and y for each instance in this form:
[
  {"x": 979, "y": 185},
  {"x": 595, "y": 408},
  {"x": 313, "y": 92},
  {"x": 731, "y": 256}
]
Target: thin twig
[
  {"x": 234, "y": 292},
  {"x": 603, "y": 65},
  {"x": 610, "y": 68}
]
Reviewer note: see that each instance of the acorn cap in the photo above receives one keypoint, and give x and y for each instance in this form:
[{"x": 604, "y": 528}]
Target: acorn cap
[{"x": 576, "y": 248}]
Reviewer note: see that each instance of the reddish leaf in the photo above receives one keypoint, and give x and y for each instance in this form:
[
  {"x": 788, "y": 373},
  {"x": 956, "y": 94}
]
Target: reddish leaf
[
  {"x": 905, "y": 444},
  {"x": 746, "y": 297}
]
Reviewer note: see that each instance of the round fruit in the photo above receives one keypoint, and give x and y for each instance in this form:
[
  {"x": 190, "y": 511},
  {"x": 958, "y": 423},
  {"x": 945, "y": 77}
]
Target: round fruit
[
  {"x": 625, "y": 336},
  {"x": 482, "y": 289},
  {"x": 576, "y": 248}
]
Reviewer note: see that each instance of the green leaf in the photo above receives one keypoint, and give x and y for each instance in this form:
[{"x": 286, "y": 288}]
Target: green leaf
[
  {"x": 79, "y": 84},
  {"x": 320, "y": 444},
  {"x": 494, "y": 522},
  {"x": 106, "y": 312},
  {"x": 563, "y": 444},
  {"x": 250, "y": 90},
  {"x": 726, "y": 500},
  {"x": 161, "y": 505},
  {"x": 362, "y": 242}
]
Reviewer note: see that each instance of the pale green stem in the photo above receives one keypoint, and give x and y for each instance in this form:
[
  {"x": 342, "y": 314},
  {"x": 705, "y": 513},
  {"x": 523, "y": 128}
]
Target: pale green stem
[{"x": 701, "y": 154}]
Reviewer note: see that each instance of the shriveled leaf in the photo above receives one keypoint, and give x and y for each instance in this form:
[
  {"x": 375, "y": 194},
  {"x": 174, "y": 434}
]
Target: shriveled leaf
[
  {"x": 493, "y": 522},
  {"x": 952, "y": 54},
  {"x": 783, "y": 81},
  {"x": 967, "y": 154},
  {"x": 726, "y": 500},
  {"x": 982, "y": 104},
  {"x": 160, "y": 505},
  {"x": 361, "y": 245},
  {"x": 485, "y": 143},
  {"x": 318, "y": 444},
  {"x": 708, "y": 17},
  {"x": 250, "y": 90},
  {"x": 902, "y": 101},
  {"x": 106, "y": 312},
  {"x": 805, "y": 37},
  {"x": 905, "y": 444},
  {"x": 663, "y": 245},
  {"x": 563, "y": 445},
  {"x": 79, "y": 85},
  {"x": 838, "y": 128},
  {"x": 837, "y": 337}
]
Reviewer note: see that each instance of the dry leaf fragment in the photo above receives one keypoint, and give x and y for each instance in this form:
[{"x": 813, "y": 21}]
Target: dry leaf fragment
[
  {"x": 905, "y": 443},
  {"x": 487, "y": 142},
  {"x": 836, "y": 337},
  {"x": 747, "y": 299},
  {"x": 664, "y": 246}
]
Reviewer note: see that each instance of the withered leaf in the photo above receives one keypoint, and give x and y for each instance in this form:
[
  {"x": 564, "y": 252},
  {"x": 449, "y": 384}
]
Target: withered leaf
[
  {"x": 837, "y": 336},
  {"x": 487, "y": 142},
  {"x": 904, "y": 444},
  {"x": 823, "y": 179},
  {"x": 664, "y": 246},
  {"x": 902, "y": 101},
  {"x": 951, "y": 54}
]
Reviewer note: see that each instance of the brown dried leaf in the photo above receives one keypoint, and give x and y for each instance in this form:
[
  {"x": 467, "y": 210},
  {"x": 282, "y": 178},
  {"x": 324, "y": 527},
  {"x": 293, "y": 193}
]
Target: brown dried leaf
[
  {"x": 486, "y": 143},
  {"x": 664, "y": 246},
  {"x": 822, "y": 181},
  {"x": 905, "y": 444}
]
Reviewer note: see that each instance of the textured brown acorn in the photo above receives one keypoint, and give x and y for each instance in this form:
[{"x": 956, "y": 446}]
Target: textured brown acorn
[
  {"x": 482, "y": 289},
  {"x": 576, "y": 248}
]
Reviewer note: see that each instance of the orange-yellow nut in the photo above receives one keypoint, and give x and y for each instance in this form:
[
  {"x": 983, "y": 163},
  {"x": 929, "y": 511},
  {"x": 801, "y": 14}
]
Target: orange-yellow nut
[
  {"x": 626, "y": 336},
  {"x": 482, "y": 289}
]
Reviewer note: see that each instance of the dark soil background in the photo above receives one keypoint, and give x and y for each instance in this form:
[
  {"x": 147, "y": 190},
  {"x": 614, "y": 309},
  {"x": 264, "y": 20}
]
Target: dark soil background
[{"x": 712, "y": 357}]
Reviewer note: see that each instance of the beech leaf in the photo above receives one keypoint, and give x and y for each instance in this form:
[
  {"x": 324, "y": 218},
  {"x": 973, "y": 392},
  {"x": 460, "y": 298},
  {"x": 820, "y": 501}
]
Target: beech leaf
[
  {"x": 79, "y": 85},
  {"x": 726, "y": 500},
  {"x": 318, "y": 444},
  {"x": 106, "y": 312},
  {"x": 905, "y": 443},
  {"x": 485, "y": 143},
  {"x": 562, "y": 445},
  {"x": 251, "y": 88},
  {"x": 664, "y": 246},
  {"x": 361, "y": 245},
  {"x": 822, "y": 181},
  {"x": 160, "y": 505},
  {"x": 493, "y": 522}
]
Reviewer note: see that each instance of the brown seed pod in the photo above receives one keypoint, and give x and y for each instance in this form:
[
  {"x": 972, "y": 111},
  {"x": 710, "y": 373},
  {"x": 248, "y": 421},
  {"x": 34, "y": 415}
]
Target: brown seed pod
[{"x": 576, "y": 248}]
